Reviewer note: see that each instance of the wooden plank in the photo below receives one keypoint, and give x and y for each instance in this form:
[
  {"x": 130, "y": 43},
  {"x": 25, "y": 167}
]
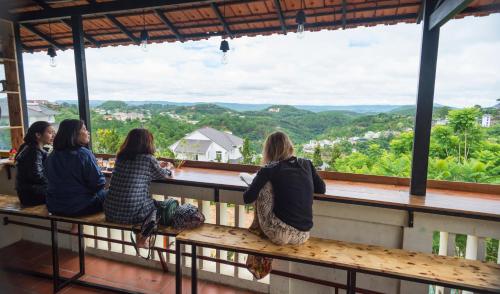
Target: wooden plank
[
  {"x": 11, "y": 205},
  {"x": 161, "y": 15},
  {"x": 222, "y": 20},
  {"x": 446, "y": 11},
  {"x": 123, "y": 29},
  {"x": 437, "y": 201},
  {"x": 12, "y": 78},
  {"x": 43, "y": 36},
  {"x": 279, "y": 12},
  {"x": 397, "y": 263}
]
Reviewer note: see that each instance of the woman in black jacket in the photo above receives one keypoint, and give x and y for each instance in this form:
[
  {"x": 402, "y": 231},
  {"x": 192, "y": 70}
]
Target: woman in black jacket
[{"x": 31, "y": 183}]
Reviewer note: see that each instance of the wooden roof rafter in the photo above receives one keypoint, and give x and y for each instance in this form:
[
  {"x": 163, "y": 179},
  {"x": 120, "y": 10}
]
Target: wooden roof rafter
[
  {"x": 175, "y": 20},
  {"x": 123, "y": 29},
  {"x": 67, "y": 22},
  {"x": 161, "y": 15},
  {"x": 215, "y": 8},
  {"x": 43, "y": 36},
  {"x": 279, "y": 12}
]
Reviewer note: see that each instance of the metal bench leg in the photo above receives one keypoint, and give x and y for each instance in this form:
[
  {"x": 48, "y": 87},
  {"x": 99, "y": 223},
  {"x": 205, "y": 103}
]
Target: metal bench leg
[
  {"x": 55, "y": 255},
  {"x": 178, "y": 268},
  {"x": 351, "y": 282},
  {"x": 194, "y": 270},
  {"x": 81, "y": 251}
]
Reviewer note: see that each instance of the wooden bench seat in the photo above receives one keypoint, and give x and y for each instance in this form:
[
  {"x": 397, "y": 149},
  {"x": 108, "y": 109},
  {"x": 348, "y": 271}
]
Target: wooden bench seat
[
  {"x": 395, "y": 263},
  {"x": 11, "y": 205}
]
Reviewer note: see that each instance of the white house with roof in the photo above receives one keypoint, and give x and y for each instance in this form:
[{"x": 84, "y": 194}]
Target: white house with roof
[
  {"x": 486, "y": 121},
  {"x": 36, "y": 112},
  {"x": 208, "y": 144}
]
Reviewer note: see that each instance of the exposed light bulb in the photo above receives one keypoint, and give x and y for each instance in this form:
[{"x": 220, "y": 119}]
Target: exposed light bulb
[
  {"x": 144, "y": 46},
  {"x": 224, "y": 47},
  {"x": 144, "y": 40},
  {"x": 53, "y": 61},
  {"x": 51, "y": 52},
  {"x": 300, "y": 31},
  {"x": 300, "y": 19},
  {"x": 224, "y": 59}
]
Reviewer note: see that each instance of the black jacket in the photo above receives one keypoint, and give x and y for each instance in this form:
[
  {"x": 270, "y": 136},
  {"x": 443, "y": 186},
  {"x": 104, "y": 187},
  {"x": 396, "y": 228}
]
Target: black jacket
[
  {"x": 294, "y": 181},
  {"x": 31, "y": 183}
]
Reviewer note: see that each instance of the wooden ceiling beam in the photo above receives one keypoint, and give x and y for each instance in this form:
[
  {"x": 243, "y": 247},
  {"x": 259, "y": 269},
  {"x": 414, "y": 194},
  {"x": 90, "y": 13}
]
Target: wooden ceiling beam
[
  {"x": 279, "y": 12},
  {"x": 67, "y": 22},
  {"x": 123, "y": 29},
  {"x": 87, "y": 37},
  {"x": 403, "y": 17},
  {"x": 161, "y": 15},
  {"x": 43, "y": 36},
  {"x": 344, "y": 16},
  {"x": 109, "y": 7},
  {"x": 215, "y": 8}
]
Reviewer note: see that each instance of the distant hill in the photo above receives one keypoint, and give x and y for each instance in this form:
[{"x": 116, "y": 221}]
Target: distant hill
[{"x": 241, "y": 107}]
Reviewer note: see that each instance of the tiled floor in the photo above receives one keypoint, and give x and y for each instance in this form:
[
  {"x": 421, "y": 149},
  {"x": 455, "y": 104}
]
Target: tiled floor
[{"x": 36, "y": 257}]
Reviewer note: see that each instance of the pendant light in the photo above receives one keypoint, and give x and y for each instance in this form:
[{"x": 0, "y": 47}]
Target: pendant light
[
  {"x": 300, "y": 19},
  {"x": 144, "y": 34},
  {"x": 51, "y": 52},
  {"x": 224, "y": 44}
]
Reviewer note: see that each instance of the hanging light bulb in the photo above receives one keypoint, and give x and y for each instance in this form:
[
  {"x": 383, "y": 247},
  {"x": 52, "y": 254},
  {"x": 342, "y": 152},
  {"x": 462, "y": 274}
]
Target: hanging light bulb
[
  {"x": 144, "y": 34},
  {"x": 144, "y": 40},
  {"x": 224, "y": 47},
  {"x": 52, "y": 53},
  {"x": 300, "y": 19}
]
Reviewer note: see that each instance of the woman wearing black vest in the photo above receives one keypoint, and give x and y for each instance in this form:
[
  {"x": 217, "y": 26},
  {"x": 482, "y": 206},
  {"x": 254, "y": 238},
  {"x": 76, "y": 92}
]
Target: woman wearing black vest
[{"x": 31, "y": 182}]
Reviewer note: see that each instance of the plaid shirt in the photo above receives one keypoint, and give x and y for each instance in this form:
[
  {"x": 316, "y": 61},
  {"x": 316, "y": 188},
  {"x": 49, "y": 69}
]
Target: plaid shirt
[{"x": 129, "y": 200}]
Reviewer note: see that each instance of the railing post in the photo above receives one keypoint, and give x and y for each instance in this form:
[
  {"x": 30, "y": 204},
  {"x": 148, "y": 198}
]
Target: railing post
[
  {"x": 425, "y": 101},
  {"x": 443, "y": 250},
  {"x": 471, "y": 252},
  {"x": 205, "y": 209}
]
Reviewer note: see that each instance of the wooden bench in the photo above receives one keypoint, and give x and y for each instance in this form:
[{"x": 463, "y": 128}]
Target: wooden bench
[
  {"x": 444, "y": 271},
  {"x": 10, "y": 205}
]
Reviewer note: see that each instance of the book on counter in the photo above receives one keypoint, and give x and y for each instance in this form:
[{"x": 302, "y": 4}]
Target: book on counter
[{"x": 247, "y": 178}]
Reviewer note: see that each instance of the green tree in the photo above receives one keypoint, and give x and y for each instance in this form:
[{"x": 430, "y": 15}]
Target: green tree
[
  {"x": 443, "y": 142},
  {"x": 335, "y": 154},
  {"x": 317, "y": 161},
  {"x": 107, "y": 141},
  {"x": 465, "y": 126},
  {"x": 114, "y": 105},
  {"x": 402, "y": 144},
  {"x": 246, "y": 152}
]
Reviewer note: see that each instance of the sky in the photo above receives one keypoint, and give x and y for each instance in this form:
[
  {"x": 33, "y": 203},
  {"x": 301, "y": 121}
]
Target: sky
[{"x": 375, "y": 65}]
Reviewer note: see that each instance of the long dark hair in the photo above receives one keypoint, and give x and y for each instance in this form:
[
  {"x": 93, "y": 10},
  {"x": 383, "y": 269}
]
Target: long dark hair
[
  {"x": 67, "y": 134},
  {"x": 138, "y": 141},
  {"x": 38, "y": 127}
]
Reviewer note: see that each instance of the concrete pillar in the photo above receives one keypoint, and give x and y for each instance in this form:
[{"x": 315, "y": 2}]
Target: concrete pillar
[
  {"x": 471, "y": 251},
  {"x": 443, "y": 250}
]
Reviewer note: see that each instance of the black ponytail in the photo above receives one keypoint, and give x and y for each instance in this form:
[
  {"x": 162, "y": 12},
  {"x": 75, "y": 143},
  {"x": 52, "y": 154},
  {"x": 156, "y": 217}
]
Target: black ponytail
[{"x": 38, "y": 127}]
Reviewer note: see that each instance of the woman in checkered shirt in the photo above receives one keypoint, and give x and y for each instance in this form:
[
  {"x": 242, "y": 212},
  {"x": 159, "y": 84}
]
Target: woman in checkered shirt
[{"x": 129, "y": 200}]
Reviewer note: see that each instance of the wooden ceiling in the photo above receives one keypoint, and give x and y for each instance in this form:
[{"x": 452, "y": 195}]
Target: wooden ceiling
[{"x": 119, "y": 22}]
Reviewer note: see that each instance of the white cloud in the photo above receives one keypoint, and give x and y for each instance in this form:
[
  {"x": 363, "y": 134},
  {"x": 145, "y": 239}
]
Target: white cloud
[{"x": 376, "y": 65}]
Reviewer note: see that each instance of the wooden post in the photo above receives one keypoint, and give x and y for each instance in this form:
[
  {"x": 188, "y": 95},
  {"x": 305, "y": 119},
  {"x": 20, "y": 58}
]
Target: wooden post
[
  {"x": 81, "y": 71},
  {"x": 425, "y": 101},
  {"x": 12, "y": 77},
  {"x": 20, "y": 69}
]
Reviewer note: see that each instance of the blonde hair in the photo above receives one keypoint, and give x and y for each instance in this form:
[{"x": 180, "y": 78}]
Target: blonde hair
[{"x": 277, "y": 147}]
